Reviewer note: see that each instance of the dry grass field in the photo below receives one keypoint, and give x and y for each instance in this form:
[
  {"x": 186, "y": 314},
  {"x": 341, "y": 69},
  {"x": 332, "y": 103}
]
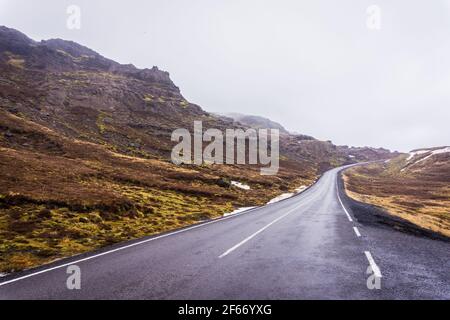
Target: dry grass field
[
  {"x": 60, "y": 196},
  {"x": 414, "y": 189}
]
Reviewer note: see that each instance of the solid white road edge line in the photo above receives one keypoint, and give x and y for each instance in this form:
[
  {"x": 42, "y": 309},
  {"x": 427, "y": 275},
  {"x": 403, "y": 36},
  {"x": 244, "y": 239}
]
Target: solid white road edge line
[
  {"x": 130, "y": 246},
  {"x": 340, "y": 201},
  {"x": 357, "y": 231},
  {"x": 122, "y": 248},
  {"x": 373, "y": 265},
  {"x": 256, "y": 233}
]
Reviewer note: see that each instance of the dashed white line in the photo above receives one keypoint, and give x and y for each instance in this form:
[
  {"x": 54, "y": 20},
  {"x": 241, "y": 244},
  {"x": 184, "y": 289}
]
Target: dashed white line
[
  {"x": 357, "y": 231},
  {"x": 255, "y": 234},
  {"x": 122, "y": 248},
  {"x": 373, "y": 265}
]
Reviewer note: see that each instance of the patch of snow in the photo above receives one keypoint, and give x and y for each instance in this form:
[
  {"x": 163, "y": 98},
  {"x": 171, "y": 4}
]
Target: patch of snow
[
  {"x": 238, "y": 211},
  {"x": 287, "y": 195},
  {"x": 443, "y": 150},
  {"x": 416, "y": 153},
  {"x": 351, "y": 156},
  {"x": 240, "y": 185},
  {"x": 387, "y": 161},
  {"x": 300, "y": 189},
  {"x": 434, "y": 152},
  {"x": 3, "y": 275},
  {"x": 423, "y": 159},
  {"x": 281, "y": 197}
]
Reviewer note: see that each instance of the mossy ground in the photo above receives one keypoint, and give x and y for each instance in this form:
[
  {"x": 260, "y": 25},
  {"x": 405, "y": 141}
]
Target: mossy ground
[
  {"x": 60, "y": 196},
  {"x": 31, "y": 235}
]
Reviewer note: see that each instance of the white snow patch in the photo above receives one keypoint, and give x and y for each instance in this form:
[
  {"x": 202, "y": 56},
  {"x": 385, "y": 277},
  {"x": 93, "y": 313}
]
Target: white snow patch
[
  {"x": 281, "y": 197},
  {"x": 3, "y": 275},
  {"x": 423, "y": 159},
  {"x": 351, "y": 156},
  {"x": 287, "y": 195},
  {"x": 434, "y": 152},
  {"x": 240, "y": 185},
  {"x": 416, "y": 153},
  {"x": 387, "y": 161},
  {"x": 238, "y": 211},
  {"x": 443, "y": 150},
  {"x": 300, "y": 189}
]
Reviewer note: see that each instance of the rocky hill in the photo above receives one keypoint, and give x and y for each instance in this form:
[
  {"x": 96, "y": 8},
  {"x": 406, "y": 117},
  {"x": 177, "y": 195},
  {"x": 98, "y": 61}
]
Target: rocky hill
[
  {"x": 256, "y": 122},
  {"x": 412, "y": 186},
  {"x": 84, "y": 154}
]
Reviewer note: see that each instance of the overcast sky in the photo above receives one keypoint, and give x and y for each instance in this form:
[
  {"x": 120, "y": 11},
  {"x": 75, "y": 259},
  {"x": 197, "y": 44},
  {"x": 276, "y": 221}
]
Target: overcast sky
[{"x": 314, "y": 66}]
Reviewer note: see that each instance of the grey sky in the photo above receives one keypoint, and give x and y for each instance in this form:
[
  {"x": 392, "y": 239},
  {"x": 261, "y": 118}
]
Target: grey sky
[{"x": 313, "y": 66}]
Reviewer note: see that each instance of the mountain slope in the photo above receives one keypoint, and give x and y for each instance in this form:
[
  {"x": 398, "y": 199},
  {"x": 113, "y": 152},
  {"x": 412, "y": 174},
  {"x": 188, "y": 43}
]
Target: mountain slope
[
  {"x": 414, "y": 187},
  {"x": 256, "y": 122},
  {"x": 85, "y": 154}
]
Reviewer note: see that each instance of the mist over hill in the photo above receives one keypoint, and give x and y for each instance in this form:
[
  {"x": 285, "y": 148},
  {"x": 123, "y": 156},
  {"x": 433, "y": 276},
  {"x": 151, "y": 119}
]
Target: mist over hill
[{"x": 85, "y": 154}]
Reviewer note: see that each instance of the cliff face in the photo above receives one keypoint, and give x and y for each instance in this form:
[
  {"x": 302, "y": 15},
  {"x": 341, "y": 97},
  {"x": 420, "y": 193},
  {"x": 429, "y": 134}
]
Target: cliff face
[
  {"x": 81, "y": 94},
  {"x": 60, "y": 55}
]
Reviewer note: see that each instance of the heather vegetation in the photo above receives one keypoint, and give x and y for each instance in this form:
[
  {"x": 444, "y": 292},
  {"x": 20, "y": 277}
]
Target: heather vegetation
[
  {"x": 414, "y": 188},
  {"x": 85, "y": 155}
]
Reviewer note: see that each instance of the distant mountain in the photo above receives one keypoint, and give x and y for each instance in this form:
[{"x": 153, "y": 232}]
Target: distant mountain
[
  {"x": 412, "y": 186},
  {"x": 256, "y": 122},
  {"x": 424, "y": 160},
  {"x": 85, "y": 147},
  {"x": 306, "y": 145}
]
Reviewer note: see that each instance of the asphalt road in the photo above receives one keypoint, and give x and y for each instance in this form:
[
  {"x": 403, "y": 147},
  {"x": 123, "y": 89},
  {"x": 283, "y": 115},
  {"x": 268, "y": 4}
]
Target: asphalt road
[{"x": 305, "y": 247}]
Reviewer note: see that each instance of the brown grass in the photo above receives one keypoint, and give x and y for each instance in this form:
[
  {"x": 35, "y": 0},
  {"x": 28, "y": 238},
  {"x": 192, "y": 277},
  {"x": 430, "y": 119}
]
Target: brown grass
[
  {"x": 17, "y": 63},
  {"x": 421, "y": 197},
  {"x": 60, "y": 196}
]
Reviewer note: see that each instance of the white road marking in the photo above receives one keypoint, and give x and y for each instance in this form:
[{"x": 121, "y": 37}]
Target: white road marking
[
  {"x": 160, "y": 237},
  {"x": 256, "y": 233},
  {"x": 373, "y": 265},
  {"x": 122, "y": 248},
  {"x": 357, "y": 231},
  {"x": 340, "y": 201}
]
